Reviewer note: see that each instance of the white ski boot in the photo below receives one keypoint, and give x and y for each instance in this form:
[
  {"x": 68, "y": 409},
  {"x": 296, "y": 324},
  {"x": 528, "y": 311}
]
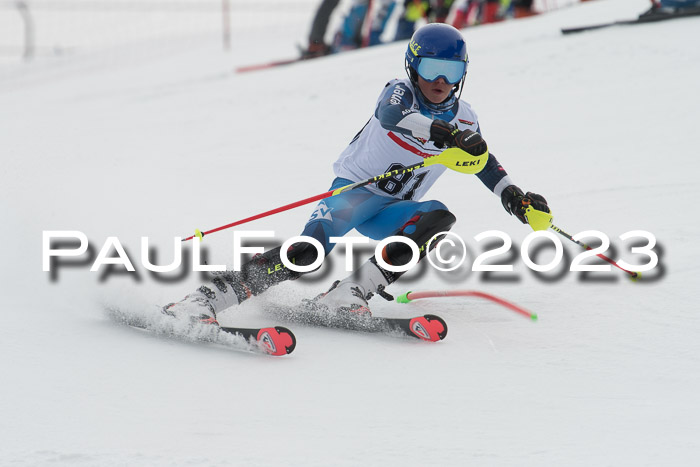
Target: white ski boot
[
  {"x": 343, "y": 297},
  {"x": 203, "y": 304},
  {"x": 351, "y": 294},
  {"x": 194, "y": 307}
]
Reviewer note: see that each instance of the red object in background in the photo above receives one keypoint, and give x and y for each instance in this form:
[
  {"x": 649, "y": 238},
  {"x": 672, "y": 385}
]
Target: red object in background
[{"x": 490, "y": 11}]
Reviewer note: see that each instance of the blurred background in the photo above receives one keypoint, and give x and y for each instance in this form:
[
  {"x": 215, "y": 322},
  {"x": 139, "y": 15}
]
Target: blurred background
[{"x": 44, "y": 29}]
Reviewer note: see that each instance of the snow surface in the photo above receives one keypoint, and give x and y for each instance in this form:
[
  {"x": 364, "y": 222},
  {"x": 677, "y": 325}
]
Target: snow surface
[{"x": 604, "y": 124}]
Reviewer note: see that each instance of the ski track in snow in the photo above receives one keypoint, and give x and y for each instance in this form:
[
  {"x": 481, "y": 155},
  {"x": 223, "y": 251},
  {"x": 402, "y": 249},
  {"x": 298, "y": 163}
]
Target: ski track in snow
[{"x": 163, "y": 140}]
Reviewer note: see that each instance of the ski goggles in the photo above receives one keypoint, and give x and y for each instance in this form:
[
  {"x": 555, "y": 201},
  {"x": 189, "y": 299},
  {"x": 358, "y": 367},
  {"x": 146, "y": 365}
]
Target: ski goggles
[{"x": 432, "y": 69}]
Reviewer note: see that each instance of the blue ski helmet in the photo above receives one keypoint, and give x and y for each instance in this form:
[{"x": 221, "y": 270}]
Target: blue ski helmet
[{"x": 437, "y": 50}]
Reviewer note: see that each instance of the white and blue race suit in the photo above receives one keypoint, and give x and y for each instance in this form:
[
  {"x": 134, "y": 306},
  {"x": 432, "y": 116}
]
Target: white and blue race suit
[{"x": 396, "y": 136}]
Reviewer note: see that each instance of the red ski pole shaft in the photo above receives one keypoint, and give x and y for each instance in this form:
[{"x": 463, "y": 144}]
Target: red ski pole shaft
[
  {"x": 318, "y": 197},
  {"x": 452, "y": 158},
  {"x": 632, "y": 274},
  {"x": 261, "y": 215}
]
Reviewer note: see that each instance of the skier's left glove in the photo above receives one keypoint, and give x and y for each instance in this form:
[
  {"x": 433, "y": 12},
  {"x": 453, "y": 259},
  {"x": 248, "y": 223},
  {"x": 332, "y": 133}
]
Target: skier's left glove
[
  {"x": 444, "y": 134},
  {"x": 516, "y": 202}
]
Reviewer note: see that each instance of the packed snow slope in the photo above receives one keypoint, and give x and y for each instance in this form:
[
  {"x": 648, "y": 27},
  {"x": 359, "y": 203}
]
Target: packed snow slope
[{"x": 603, "y": 124}]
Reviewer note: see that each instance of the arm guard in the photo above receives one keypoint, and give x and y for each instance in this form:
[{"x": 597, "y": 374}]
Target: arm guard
[{"x": 494, "y": 176}]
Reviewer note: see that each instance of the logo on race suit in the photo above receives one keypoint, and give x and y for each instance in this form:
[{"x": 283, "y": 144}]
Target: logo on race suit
[
  {"x": 466, "y": 122},
  {"x": 322, "y": 212},
  {"x": 266, "y": 340},
  {"x": 396, "y": 95}
]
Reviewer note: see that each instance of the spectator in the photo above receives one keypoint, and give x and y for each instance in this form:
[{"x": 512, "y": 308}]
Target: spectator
[
  {"x": 362, "y": 28},
  {"x": 522, "y": 8},
  {"x": 433, "y": 11},
  {"x": 489, "y": 11},
  {"x": 317, "y": 42}
]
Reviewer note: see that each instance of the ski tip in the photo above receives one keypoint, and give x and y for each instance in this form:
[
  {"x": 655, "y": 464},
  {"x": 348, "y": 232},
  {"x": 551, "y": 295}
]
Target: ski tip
[
  {"x": 290, "y": 339},
  {"x": 277, "y": 340},
  {"x": 429, "y": 328}
]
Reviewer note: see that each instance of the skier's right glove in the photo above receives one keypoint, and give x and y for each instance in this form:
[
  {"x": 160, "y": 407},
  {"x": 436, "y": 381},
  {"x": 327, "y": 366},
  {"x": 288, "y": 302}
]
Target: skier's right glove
[
  {"x": 444, "y": 134},
  {"x": 440, "y": 132}
]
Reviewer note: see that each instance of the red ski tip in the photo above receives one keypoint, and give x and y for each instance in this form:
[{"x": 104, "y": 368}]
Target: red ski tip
[
  {"x": 429, "y": 328},
  {"x": 277, "y": 341}
]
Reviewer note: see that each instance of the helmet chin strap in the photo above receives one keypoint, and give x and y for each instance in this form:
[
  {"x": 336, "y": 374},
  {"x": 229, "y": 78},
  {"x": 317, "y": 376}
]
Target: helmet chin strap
[
  {"x": 460, "y": 86},
  {"x": 412, "y": 74}
]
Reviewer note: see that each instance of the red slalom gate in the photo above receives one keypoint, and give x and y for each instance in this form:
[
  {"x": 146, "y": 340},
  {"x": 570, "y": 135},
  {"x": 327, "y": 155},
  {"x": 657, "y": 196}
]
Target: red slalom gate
[{"x": 410, "y": 296}]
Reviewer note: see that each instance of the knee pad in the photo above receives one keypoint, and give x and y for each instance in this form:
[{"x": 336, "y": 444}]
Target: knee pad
[
  {"x": 421, "y": 228},
  {"x": 302, "y": 253}
]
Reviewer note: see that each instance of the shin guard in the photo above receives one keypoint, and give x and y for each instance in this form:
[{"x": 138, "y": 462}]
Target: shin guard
[
  {"x": 265, "y": 270},
  {"x": 421, "y": 228}
]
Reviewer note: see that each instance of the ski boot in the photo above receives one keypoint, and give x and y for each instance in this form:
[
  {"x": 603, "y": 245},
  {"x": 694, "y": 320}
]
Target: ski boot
[
  {"x": 351, "y": 294},
  {"x": 194, "y": 307},
  {"x": 316, "y": 49},
  {"x": 343, "y": 297}
]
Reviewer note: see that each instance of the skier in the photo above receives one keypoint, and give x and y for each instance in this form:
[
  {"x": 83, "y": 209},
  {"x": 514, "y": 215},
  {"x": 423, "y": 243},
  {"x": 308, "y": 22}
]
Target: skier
[
  {"x": 414, "y": 118},
  {"x": 317, "y": 44},
  {"x": 362, "y": 26}
]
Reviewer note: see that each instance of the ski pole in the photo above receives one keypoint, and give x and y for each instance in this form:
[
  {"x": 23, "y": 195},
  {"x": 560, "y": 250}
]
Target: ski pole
[
  {"x": 633, "y": 275},
  {"x": 540, "y": 220},
  {"x": 452, "y": 158},
  {"x": 410, "y": 296}
]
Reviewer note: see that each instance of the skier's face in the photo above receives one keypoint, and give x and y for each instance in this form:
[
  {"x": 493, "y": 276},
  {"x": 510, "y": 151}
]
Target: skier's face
[{"x": 435, "y": 92}]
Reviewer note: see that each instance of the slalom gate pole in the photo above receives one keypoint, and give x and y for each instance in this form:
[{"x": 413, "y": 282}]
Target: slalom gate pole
[
  {"x": 367, "y": 25},
  {"x": 410, "y": 296},
  {"x": 452, "y": 158},
  {"x": 633, "y": 275}
]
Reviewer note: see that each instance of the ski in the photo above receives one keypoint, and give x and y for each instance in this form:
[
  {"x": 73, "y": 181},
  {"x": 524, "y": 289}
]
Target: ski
[
  {"x": 277, "y": 63},
  {"x": 428, "y": 327},
  {"x": 649, "y": 17},
  {"x": 596, "y": 26},
  {"x": 274, "y": 340},
  {"x": 273, "y": 64}
]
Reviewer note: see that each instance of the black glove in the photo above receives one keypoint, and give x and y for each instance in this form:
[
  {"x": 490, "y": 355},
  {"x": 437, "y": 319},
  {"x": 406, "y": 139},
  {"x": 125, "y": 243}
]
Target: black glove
[
  {"x": 444, "y": 134},
  {"x": 440, "y": 132},
  {"x": 515, "y": 202}
]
